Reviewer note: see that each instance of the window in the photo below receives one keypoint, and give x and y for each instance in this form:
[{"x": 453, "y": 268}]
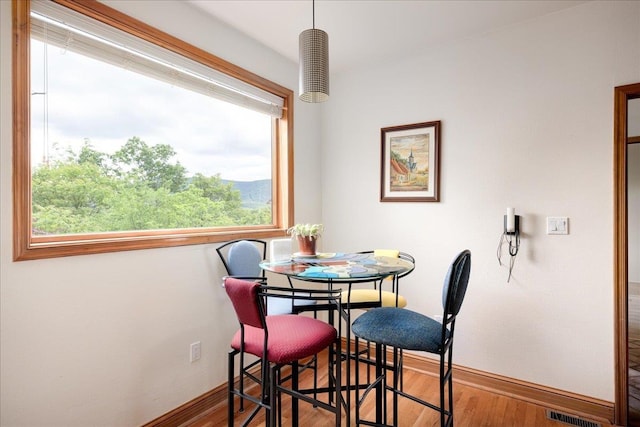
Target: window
[{"x": 127, "y": 138}]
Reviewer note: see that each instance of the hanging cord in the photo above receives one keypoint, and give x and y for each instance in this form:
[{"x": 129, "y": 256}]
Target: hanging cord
[
  {"x": 513, "y": 241},
  {"x": 45, "y": 99}
]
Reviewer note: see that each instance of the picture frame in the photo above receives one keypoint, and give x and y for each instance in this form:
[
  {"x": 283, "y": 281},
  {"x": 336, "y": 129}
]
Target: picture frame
[{"x": 410, "y": 163}]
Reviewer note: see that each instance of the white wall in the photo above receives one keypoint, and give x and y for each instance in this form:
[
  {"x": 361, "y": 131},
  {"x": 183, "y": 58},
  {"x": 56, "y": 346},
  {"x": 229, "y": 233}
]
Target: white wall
[
  {"x": 633, "y": 207},
  {"x": 103, "y": 340},
  {"x": 633, "y": 120},
  {"x": 527, "y": 122},
  {"x": 633, "y": 192}
]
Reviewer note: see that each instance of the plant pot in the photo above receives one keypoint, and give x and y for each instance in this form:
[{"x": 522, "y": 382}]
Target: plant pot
[{"x": 307, "y": 245}]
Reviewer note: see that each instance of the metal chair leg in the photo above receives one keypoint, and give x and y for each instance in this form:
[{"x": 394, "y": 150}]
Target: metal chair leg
[
  {"x": 380, "y": 350},
  {"x": 357, "y": 386},
  {"x": 442, "y": 395},
  {"x": 397, "y": 365},
  {"x": 241, "y": 388},
  {"x": 230, "y": 395},
  {"x": 294, "y": 400}
]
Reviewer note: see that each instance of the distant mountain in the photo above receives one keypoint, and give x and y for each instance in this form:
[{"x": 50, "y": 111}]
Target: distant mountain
[{"x": 254, "y": 194}]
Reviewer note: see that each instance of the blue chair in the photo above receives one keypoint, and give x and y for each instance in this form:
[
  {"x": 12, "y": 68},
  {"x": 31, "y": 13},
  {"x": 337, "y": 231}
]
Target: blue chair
[
  {"x": 241, "y": 259},
  {"x": 403, "y": 329}
]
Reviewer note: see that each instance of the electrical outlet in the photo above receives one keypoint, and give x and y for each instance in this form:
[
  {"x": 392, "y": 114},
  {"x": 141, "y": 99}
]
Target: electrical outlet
[{"x": 194, "y": 353}]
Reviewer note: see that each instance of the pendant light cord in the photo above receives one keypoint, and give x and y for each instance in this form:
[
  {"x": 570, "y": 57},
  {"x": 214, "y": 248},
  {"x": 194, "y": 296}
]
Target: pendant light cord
[{"x": 313, "y": 13}]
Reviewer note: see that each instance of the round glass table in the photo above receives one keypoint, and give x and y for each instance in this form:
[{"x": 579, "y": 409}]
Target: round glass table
[{"x": 341, "y": 267}]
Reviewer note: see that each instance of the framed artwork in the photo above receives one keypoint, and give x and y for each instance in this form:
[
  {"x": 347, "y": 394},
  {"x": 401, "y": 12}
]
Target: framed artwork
[{"x": 410, "y": 163}]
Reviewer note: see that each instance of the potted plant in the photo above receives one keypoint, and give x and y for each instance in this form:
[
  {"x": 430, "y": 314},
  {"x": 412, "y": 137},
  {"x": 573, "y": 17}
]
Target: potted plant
[{"x": 307, "y": 235}]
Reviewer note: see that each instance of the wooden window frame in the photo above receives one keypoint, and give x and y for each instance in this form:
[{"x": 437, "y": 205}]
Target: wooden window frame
[{"x": 29, "y": 247}]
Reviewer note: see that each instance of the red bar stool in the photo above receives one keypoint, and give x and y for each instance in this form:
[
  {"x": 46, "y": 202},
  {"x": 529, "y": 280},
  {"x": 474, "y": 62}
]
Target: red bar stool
[{"x": 281, "y": 340}]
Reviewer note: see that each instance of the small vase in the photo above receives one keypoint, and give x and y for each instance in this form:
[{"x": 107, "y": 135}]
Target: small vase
[{"x": 307, "y": 245}]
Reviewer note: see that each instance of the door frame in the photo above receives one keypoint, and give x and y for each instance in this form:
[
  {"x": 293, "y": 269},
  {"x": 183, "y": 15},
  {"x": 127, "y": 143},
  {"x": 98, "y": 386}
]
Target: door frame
[{"x": 622, "y": 94}]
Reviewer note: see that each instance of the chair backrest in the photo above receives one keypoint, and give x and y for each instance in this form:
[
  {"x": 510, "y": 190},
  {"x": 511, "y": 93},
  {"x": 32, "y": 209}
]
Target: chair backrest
[
  {"x": 244, "y": 296},
  {"x": 241, "y": 258},
  {"x": 455, "y": 285},
  {"x": 395, "y": 253},
  {"x": 391, "y": 253}
]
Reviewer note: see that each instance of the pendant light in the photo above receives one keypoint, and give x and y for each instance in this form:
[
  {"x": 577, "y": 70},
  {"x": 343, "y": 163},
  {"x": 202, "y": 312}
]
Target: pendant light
[{"x": 314, "y": 63}]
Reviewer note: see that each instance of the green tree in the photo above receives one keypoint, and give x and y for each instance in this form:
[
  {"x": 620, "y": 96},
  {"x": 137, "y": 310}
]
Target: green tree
[
  {"x": 68, "y": 195},
  {"x": 150, "y": 166},
  {"x": 90, "y": 155},
  {"x": 137, "y": 188},
  {"x": 213, "y": 188}
]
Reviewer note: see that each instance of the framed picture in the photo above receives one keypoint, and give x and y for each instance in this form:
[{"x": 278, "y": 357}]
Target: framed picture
[{"x": 410, "y": 163}]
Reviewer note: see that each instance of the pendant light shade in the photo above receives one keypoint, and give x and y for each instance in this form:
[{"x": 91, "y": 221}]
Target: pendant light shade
[{"x": 314, "y": 65}]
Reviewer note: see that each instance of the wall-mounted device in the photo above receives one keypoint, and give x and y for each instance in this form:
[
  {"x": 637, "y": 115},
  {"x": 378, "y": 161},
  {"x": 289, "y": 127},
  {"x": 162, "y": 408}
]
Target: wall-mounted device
[{"x": 510, "y": 236}]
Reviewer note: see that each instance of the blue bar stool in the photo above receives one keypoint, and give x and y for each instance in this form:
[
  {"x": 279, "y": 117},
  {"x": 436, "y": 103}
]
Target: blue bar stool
[{"x": 403, "y": 329}]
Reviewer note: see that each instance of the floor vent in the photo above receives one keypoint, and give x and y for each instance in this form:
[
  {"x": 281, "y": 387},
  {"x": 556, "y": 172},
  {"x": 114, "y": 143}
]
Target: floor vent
[{"x": 570, "y": 419}]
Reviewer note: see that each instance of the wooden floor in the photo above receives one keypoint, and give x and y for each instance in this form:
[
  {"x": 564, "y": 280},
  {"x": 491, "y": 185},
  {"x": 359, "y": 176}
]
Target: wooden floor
[{"x": 472, "y": 408}]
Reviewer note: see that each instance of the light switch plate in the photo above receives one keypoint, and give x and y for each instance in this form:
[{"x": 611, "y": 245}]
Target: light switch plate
[{"x": 557, "y": 225}]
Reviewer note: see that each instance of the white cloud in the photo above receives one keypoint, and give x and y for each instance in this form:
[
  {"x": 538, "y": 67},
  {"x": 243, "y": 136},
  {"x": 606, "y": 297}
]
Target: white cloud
[{"x": 109, "y": 105}]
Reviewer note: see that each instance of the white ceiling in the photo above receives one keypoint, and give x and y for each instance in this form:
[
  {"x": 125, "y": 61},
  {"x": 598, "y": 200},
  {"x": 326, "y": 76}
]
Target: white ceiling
[{"x": 365, "y": 31}]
